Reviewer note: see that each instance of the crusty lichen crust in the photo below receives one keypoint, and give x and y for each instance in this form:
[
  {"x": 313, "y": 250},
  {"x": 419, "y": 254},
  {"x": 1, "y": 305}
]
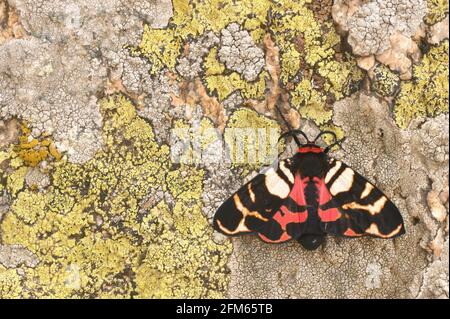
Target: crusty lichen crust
[
  {"x": 92, "y": 203},
  {"x": 427, "y": 93},
  {"x": 94, "y": 237}
]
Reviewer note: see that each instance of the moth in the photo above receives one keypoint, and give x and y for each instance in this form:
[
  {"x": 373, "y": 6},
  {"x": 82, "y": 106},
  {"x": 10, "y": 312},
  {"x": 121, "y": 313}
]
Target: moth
[{"x": 306, "y": 197}]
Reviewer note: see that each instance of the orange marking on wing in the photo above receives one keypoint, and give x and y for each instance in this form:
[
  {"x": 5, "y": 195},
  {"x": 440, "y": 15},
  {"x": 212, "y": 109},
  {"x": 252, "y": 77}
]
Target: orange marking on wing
[
  {"x": 372, "y": 209},
  {"x": 351, "y": 233},
  {"x": 283, "y": 237},
  {"x": 330, "y": 214},
  {"x": 284, "y": 216},
  {"x": 298, "y": 190},
  {"x": 250, "y": 191}
]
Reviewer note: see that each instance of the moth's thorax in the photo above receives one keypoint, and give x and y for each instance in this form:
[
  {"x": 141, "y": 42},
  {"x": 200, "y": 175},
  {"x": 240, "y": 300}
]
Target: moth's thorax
[
  {"x": 312, "y": 160},
  {"x": 310, "y": 148}
]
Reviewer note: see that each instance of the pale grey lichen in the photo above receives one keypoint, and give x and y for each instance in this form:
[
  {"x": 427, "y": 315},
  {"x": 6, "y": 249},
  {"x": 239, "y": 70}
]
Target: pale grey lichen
[
  {"x": 9, "y": 132},
  {"x": 13, "y": 256},
  {"x": 151, "y": 94},
  {"x": 54, "y": 77},
  {"x": 5, "y": 203},
  {"x": 190, "y": 66},
  {"x": 233, "y": 101},
  {"x": 372, "y": 24},
  {"x": 36, "y": 178},
  {"x": 220, "y": 183},
  {"x": 436, "y": 277},
  {"x": 49, "y": 90},
  {"x": 239, "y": 52},
  {"x": 109, "y": 23}
]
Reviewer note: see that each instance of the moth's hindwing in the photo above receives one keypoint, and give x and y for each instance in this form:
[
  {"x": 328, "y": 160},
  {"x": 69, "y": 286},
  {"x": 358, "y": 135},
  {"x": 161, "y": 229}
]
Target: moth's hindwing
[
  {"x": 351, "y": 206},
  {"x": 253, "y": 207}
]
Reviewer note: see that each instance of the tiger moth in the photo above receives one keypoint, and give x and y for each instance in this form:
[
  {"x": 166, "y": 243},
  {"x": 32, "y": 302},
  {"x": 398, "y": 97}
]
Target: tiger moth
[{"x": 307, "y": 197}]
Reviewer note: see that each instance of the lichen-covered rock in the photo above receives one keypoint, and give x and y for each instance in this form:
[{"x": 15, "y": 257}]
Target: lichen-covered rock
[
  {"x": 427, "y": 93},
  {"x": 53, "y": 77},
  {"x": 9, "y": 133},
  {"x": 99, "y": 224},
  {"x": 12, "y": 256},
  {"x": 125, "y": 124},
  {"x": 10, "y": 26},
  {"x": 239, "y": 53},
  {"x": 384, "y": 81},
  {"x": 436, "y": 11},
  {"x": 190, "y": 66},
  {"x": 371, "y": 24},
  {"x": 438, "y": 32},
  {"x": 390, "y": 30}
]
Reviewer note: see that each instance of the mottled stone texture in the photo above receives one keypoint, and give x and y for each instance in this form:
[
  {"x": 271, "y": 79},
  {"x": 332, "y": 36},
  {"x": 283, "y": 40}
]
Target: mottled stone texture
[{"x": 99, "y": 100}]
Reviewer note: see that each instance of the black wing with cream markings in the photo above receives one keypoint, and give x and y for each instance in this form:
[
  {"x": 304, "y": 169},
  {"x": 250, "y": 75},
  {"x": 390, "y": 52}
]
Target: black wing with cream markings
[
  {"x": 363, "y": 209},
  {"x": 252, "y": 207}
]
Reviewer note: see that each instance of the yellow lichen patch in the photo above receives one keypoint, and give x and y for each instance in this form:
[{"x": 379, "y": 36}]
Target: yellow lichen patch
[
  {"x": 427, "y": 93},
  {"x": 91, "y": 235},
  {"x": 16, "y": 180},
  {"x": 163, "y": 274},
  {"x": 338, "y": 75},
  {"x": 308, "y": 50},
  {"x": 328, "y": 139},
  {"x": 436, "y": 11},
  {"x": 224, "y": 85},
  {"x": 212, "y": 64},
  {"x": 310, "y": 63},
  {"x": 384, "y": 81},
  {"x": 161, "y": 48},
  {"x": 251, "y": 138},
  {"x": 193, "y": 18},
  {"x": 310, "y": 103},
  {"x": 34, "y": 150},
  {"x": 207, "y": 133},
  {"x": 9, "y": 283},
  {"x": 198, "y": 141},
  {"x": 12, "y": 172}
]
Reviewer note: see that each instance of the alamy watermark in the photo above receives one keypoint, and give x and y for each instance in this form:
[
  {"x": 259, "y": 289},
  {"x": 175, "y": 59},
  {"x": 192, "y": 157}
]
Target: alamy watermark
[{"x": 235, "y": 145}]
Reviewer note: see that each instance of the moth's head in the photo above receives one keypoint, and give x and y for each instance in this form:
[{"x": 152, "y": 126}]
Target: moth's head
[{"x": 310, "y": 146}]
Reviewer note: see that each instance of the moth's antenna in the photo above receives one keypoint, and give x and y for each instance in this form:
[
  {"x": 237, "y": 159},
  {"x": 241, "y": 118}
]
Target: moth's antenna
[
  {"x": 338, "y": 143},
  {"x": 297, "y": 141}
]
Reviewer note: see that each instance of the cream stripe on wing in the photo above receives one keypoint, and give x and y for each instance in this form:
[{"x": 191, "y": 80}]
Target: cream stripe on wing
[
  {"x": 373, "y": 209},
  {"x": 343, "y": 183},
  {"x": 245, "y": 211},
  {"x": 367, "y": 189},
  {"x": 240, "y": 229},
  {"x": 332, "y": 171},
  {"x": 287, "y": 172},
  {"x": 252, "y": 194},
  {"x": 373, "y": 230},
  {"x": 275, "y": 184}
]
